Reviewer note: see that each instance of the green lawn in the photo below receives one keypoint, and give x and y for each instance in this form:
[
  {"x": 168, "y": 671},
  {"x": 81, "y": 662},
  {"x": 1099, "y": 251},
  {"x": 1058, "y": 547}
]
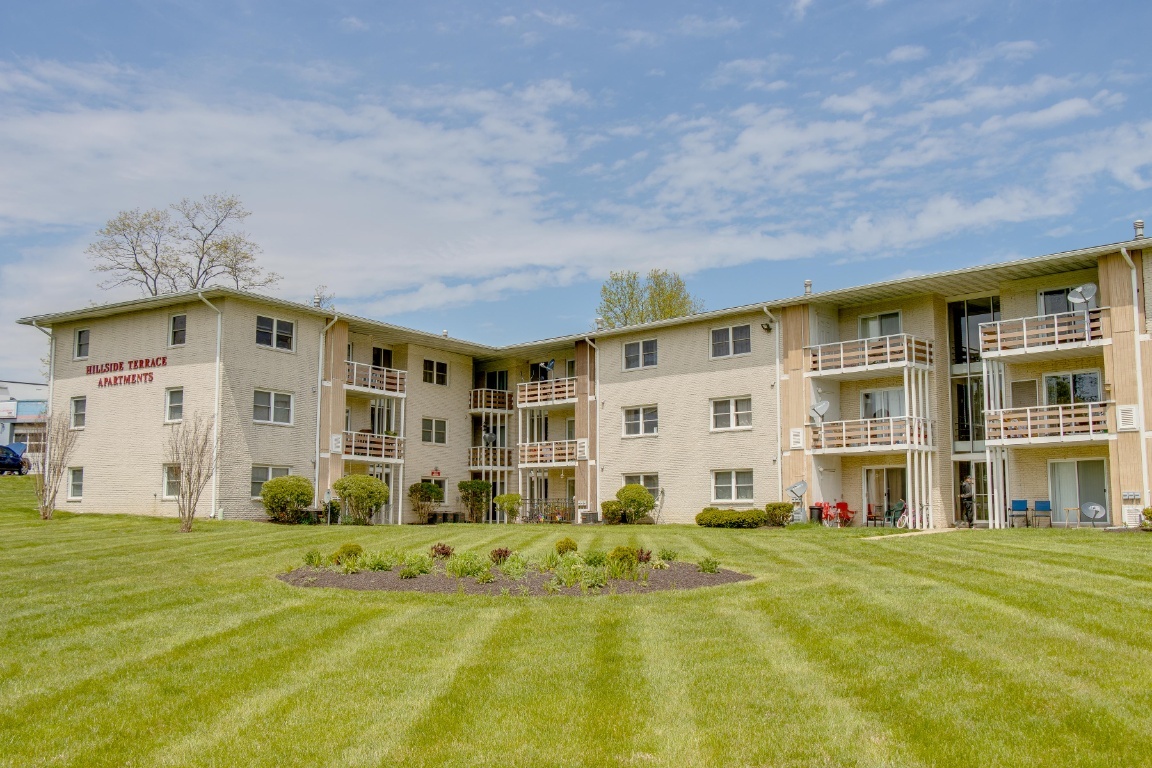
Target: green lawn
[{"x": 125, "y": 642}]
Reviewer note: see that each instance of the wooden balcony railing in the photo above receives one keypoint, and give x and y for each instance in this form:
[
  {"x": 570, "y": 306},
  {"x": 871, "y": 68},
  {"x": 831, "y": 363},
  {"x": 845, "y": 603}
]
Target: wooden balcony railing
[
  {"x": 385, "y": 380},
  {"x": 364, "y": 445},
  {"x": 490, "y": 456},
  {"x": 866, "y": 434},
  {"x": 555, "y": 452},
  {"x": 543, "y": 392},
  {"x": 1078, "y": 421},
  {"x": 490, "y": 400},
  {"x": 1044, "y": 332},
  {"x": 863, "y": 354},
  {"x": 548, "y": 510}
]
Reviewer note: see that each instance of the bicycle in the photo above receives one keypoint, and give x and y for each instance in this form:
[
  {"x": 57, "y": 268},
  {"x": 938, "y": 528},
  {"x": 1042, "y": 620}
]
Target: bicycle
[{"x": 905, "y": 519}]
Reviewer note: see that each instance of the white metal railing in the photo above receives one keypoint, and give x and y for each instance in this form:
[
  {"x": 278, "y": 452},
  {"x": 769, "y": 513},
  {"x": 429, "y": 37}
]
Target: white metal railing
[
  {"x": 490, "y": 456},
  {"x": 863, "y": 434},
  {"x": 375, "y": 378},
  {"x": 1026, "y": 334},
  {"x": 490, "y": 400},
  {"x": 862, "y": 354},
  {"x": 554, "y": 452},
  {"x": 369, "y": 446},
  {"x": 1077, "y": 420},
  {"x": 540, "y": 392}
]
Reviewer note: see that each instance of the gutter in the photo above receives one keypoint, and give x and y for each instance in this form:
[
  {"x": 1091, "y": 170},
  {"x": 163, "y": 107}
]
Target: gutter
[
  {"x": 594, "y": 476},
  {"x": 51, "y": 381},
  {"x": 779, "y": 429},
  {"x": 1139, "y": 372},
  {"x": 319, "y": 397},
  {"x": 217, "y": 511}
]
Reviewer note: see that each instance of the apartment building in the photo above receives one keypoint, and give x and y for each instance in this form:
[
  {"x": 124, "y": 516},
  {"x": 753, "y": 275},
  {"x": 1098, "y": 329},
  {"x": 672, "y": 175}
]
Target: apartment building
[{"x": 1028, "y": 376}]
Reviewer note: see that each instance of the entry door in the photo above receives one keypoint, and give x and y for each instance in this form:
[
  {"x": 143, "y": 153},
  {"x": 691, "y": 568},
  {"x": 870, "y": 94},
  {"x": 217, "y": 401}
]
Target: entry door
[
  {"x": 884, "y": 486},
  {"x": 381, "y": 358},
  {"x": 1074, "y": 484}
]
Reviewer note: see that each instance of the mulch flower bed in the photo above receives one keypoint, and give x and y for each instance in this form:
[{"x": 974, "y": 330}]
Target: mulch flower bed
[{"x": 676, "y": 576}]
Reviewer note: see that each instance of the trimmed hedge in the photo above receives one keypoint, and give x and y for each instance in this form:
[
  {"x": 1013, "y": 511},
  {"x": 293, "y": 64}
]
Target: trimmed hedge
[
  {"x": 286, "y": 498},
  {"x": 713, "y": 517},
  {"x": 778, "y": 513}
]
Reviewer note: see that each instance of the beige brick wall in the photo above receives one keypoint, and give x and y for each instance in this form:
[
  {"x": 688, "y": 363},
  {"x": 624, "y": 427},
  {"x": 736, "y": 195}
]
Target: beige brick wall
[
  {"x": 1028, "y": 467},
  {"x": 682, "y": 385},
  {"x": 1020, "y": 298}
]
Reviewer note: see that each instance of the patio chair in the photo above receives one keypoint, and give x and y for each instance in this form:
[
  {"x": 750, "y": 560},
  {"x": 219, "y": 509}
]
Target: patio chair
[
  {"x": 874, "y": 517},
  {"x": 1042, "y": 509},
  {"x": 1018, "y": 511},
  {"x": 892, "y": 514},
  {"x": 844, "y": 516}
]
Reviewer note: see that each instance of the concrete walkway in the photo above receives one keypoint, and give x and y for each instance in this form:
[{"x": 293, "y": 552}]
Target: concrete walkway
[{"x": 910, "y": 533}]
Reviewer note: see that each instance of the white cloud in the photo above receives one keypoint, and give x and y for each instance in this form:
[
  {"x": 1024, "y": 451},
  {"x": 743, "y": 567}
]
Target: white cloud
[
  {"x": 353, "y": 24},
  {"x": 905, "y": 53},
  {"x": 799, "y": 8},
  {"x": 751, "y": 73},
  {"x": 637, "y": 38},
  {"x": 696, "y": 26},
  {"x": 565, "y": 20}
]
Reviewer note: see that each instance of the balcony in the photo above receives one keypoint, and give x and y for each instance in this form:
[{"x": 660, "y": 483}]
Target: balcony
[
  {"x": 367, "y": 447},
  {"x": 557, "y": 453},
  {"x": 373, "y": 380},
  {"x": 537, "y": 394},
  {"x": 489, "y": 400},
  {"x": 864, "y": 358},
  {"x": 489, "y": 457},
  {"x": 887, "y": 435},
  {"x": 1045, "y": 336},
  {"x": 1075, "y": 423}
]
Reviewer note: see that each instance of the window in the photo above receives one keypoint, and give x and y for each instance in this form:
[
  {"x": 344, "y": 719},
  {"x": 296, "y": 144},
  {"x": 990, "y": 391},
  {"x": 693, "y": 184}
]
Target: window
[
  {"x": 79, "y": 412},
  {"x": 886, "y": 324},
  {"x": 641, "y": 421},
  {"x": 435, "y": 372},
  {"x": 272, "y": 407},
  {"x": 434, "y": 431},
  {"x": 347, "y": 419},
  {"x": 882, "y": 404},
  {"x": 570, "y": 369},
  {"x": 570, "y": 429},
  {"x": 76, "y": 483},
  {"x": 639, "y": 354},
  {"x": 964, "y": 318},
  {"x": 728, "y": 342},
  {"x": 381, "y": 357},
  {"x": 496, "y": 380},
  {"x": 274, "y": 333},
  {"x": 651, "y": 482},
  {"x": 81, "y": 350},
  {"x": 732, "y": 485},
  {"x": 732, "y": 413},
  {"x": 1055, "y": 301},
  {"x": 262, "y": 474},
  {"x": 177, "y": 330},
  {"x": 1068, "y": 388},
  {"x": 440, "y": 483},
  {"x": 171, "y": 481},
  {"x": 174, "y": 404}
]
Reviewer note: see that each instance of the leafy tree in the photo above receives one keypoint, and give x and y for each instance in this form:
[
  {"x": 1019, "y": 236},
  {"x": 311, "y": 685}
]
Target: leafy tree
[
  {"x": 192, "y": 244},
  {"x": 424, "y": 497},
  {"x": 509, "y": 504},
  {"x": 362, "y": 496},
  {"x": 474, "y": 495},
  {"x": 626, "y": 300}
]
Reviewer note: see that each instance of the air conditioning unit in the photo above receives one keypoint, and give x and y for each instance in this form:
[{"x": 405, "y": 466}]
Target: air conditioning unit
[
  {"x": 1127, "y": 418},
  {"x": 1133, "y": 516}
]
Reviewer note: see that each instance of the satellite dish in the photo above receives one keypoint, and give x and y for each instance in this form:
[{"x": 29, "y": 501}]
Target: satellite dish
[
  {"x": 1083, "y": 294},
  {"x": 797, "y": 490},
  {"x": 819, "y": 410},
  {"x": 1093, "y": 511}
]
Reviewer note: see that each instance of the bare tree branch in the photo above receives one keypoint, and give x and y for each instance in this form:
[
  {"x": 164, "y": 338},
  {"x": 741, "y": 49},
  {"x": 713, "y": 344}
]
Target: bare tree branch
[
  {"x": 51, "y": 464},
  {"x": 193, "y": 452},
  {"x": 135, "y": 249}
]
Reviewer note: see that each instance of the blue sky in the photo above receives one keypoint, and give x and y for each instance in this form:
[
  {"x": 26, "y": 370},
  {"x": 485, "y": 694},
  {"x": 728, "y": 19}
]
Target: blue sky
[{"x": 480, "y": 167}]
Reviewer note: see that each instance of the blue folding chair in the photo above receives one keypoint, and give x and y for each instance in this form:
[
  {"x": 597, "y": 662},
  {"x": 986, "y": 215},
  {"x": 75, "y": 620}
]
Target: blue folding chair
[
  {"x": 1019, "y": 510},
  {"x": 1042, "y": 509}
]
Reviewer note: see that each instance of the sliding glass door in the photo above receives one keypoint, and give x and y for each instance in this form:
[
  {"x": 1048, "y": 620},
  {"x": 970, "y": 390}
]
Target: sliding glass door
[{"x": 1073, "y": 484}]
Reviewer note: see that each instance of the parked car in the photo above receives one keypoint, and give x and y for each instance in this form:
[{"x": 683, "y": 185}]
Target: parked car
[{"x": 10, "y": 461}]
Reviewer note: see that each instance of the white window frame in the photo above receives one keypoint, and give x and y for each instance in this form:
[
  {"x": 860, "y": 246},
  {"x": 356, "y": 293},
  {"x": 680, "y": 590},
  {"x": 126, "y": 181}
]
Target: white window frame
[
  {"x": 272, "y": 408},
  {"x": 732, "y": 414},
  {"x": 72, "y": 483},
  {"x": 640, "y": 476},
  {"x": 172, "y": 330},
  {"x": 433, "y": 419},
  {"x": 168, "y": 405},
  {"x": 165, "y": 480},
  {"x": 76, "y": 344},
  {"x": 640, "y": 364},
  {"x": 435, "y": 371},
  {"x": 276, "y": 321},
  {"x": 570, "y": 368},
  {"x": 734, "y": 486},
  {"x": 72, "y": 413},
  {"x": 884, "y": 389},
  {"x": 1092, "y": 303},
  {"x": 269, "y": 469},
  {"x": 641, "y": 422},
  {"x": 860, "y": 323},
  {"x": 731, "y": 342},
  {"x": 442, "y": 483},
  {"x": 1043, "y": 383}
]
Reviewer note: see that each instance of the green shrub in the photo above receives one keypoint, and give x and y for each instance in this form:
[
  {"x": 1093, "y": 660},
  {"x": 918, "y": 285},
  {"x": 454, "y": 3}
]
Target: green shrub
[
  {"x": 313, "y": 559},
  {"x": 379, "y": 561},
  {"x": 646, "y": 520},
  {"x": 657, "y": 564},
  {"x": 352, "y": 564},
  {"x": 409, "y": 572},
  {"x": 668, "y": 555},
  {"x": 474, "y": 495},
  {"x": 594, "y": 578},
  {"x": 621, "y": 569},
  {"x": 425, "y": 497},
  {"x": 613, "y": 511},
  {"x": 418, "y": 563},
  {"x": 778, "y": 513},
  {"x": 709, "y": 565},
  {"x": 635, "y": 503},
  {"x": 362, "y": 496},
  {"x": 346, "y": 551},
  {"x": 515, "y": 566},
  {"x": 549, "y": 561},
  {"x": 286, "y": 499},
  {"x": 466, "y": 565},
  {"x": 1147, "y": 521},
  {"x": 565, "y": 545},
  {"x": 571, "y": 570},
  {"x": 621, "y": 559},
  {"x": 509, "y": 504},
  {"x": 595, "y": 558},
  {"x": 731, "y": 518},
  {"x": 486, "y": 577}
]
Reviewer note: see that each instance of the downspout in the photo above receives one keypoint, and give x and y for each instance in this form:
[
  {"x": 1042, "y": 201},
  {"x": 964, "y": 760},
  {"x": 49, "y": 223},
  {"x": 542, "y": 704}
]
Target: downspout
[
  {"x": 51, "y": 382},
  {"x": 594, "y": 477},
  {"x": 319, "y": 397},
  {"x": 216, "y": 510},
  {"x": 779, "y": 429},
  {"x": 1139, "y": 372}
]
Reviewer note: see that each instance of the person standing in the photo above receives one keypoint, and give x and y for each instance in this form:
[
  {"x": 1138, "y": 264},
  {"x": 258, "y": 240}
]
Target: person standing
[{"x": 967, "y": 500}]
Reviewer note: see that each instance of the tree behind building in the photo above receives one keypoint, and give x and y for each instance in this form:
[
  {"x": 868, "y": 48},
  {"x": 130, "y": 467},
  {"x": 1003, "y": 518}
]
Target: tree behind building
[{"x": 626, "y": 300}]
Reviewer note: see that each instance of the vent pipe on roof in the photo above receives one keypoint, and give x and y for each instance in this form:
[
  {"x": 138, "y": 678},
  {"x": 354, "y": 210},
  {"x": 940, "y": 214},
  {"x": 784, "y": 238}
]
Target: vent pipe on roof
[
  {"x": 444, "y": 333},
  {"x": 599, "y": 323},
  {"x": 316, "y": 300},
  {"x": 1138, "y": 225},
  {"x": 807, "y": 287}
]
